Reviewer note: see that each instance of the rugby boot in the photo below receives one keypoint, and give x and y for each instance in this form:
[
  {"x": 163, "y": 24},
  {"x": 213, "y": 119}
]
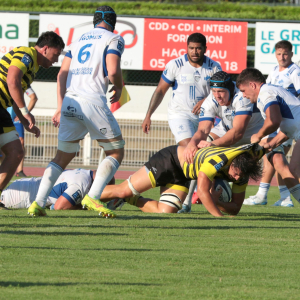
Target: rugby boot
[
  {"x": 36, "y": 211},
  {"x": 97, "y": 205}
]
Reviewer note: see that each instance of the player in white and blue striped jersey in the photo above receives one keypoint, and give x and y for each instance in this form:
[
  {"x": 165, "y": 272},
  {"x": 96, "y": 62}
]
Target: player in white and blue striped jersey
[{"x": 189, "y": 77}]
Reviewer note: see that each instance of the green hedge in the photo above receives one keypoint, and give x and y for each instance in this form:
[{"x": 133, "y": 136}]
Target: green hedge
[{"x": 201, "y": 10}]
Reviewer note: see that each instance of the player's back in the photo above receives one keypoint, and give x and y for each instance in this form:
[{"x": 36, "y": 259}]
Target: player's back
[{"x": 88, "y": 73}]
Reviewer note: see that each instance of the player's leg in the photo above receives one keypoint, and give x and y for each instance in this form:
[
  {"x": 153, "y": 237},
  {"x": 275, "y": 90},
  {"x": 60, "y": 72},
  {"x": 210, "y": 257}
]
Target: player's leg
[
  {"x": 72, "y": 129},
  {"x": 104, "y": 128},
  {"x": 20, "y": 130},
  {"x": 183, "y": 130}
]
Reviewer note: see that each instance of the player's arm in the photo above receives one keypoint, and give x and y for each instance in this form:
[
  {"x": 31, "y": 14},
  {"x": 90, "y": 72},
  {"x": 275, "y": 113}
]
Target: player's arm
[
  {"x": 62, "y": 203},
  {"x": 201, "y": 134},
  {"x": 276, "y": 141},
  {"x": 32, "y": 102},
  {"x": 155, "y": 101},
  {"x": 14, "y": 84},
  {"x": 271, "y": 124},
  {"x": 204, "y": 185},
  {"x": 61, "y": 87},
  {"x": 232, "y": 136},
  {"x": 234, "y": 206},
  {"x": 115, "y": 76}
]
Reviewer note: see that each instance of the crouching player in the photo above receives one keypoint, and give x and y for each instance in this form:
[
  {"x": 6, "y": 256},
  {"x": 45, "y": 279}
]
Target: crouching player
[
  {"x": 168, "y": 169},
  {"x": 67, "y": 193}
]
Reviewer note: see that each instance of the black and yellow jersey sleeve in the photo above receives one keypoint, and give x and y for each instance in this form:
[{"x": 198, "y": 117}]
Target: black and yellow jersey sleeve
[
  {"x": 215, "y": 161},
  {"x": 24, "y": 58}
]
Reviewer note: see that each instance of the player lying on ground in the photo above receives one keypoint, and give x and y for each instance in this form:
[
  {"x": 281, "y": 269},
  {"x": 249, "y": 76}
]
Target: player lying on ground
[
  {"x": 168, "y": 169},
  {"x": 67, "y": 193}
]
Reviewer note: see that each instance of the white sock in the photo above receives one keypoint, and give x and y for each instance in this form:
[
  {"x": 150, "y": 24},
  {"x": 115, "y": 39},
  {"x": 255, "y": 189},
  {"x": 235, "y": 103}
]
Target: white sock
[
  {"x": 188, "y": 199},
  {"x": 49, "y": 178},
  {"x": 105, "y": 172},
  {"x": 263, "y": 190},
  {"x": 295, "y": 191},
  {"x": 284, "y": 192}
]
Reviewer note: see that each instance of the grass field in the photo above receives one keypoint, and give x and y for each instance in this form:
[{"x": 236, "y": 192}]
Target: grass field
[{"x": 78, "y": 255}]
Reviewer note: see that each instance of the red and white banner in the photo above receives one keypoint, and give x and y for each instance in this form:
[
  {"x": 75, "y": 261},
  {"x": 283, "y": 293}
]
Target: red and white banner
[{"x": 151, "y": 43}]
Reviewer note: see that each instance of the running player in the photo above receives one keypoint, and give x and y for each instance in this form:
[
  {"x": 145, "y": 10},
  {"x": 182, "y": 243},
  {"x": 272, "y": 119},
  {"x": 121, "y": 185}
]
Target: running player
[
  {"x": 17, "y": 71},
  {"x": 287, "y": 75},
  {"x": 169, "y": 170},
  {"x": 281, "y": 111},
  {"x": 83, "y": 81},
  {"x": 67, "y": 192},
  {"x": 189, "y": 77}
]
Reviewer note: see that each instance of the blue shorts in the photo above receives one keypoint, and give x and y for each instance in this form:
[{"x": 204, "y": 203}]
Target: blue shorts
[{"x": 20, "y": 129}]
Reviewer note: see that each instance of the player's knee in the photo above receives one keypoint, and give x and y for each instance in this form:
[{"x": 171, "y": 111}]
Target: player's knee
[{"x": 169, "y": 203}]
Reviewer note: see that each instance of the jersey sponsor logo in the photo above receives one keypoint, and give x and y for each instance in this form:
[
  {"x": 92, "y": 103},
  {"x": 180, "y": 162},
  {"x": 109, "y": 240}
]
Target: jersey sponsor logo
[
  {"x": 71, "y": 113},
  {"x": 77, "y": 195},
  {"x": 202, "y": 111},
  {"x": 165, "y": 71},
  {"x": 103, "y": 131},
  {"x": 82, "y": 71},
  {"x": 197, "y": 76},
  {"x": 71, "y": 108},
  {"x": 120, "y": 46},
  {"x": 154, "y": 169},
  {"x": 183, "y": 79},
  {"x": 219, "y": 165},
  {"x": 207, "y": 78},
  {"x": 26, "y": 60}
]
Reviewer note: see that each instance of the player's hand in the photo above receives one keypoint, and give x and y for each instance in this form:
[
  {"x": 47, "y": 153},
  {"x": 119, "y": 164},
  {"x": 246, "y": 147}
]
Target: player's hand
[
  {"x": 196, "y": 109},
  {"x": 215, "y": 194},
  {"x": 30, "y": 118},
  {"x": 35, "y": 130},
  {"x": 189, "y": 153},
  {"x": 116, "y": 94},
  {"x": 146, "y": 125},
  {"x": 255, "y": 138},
  {"x": 56, "y": 118},
  {"x": 269, "y": 147},
  {"x": 204, "y": 144}
]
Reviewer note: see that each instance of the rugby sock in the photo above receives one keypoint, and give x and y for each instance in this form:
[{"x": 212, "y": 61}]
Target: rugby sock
[
  {"x": 295, "y": 191},
  {"x": 188, "y": 199},
  {"x": 105, "y": 172},
  {"x": 263, "y": 190},
  {"x": 284, "y": 192},
  {"x": 49, "y": 178}
]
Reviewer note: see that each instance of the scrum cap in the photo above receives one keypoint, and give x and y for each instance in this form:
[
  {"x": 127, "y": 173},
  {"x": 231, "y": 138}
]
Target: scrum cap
[
  {"x": 222, "y": 80},
  {"x": 105, "y": 14}
]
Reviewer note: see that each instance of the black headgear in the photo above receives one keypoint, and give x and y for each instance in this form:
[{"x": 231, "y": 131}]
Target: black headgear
[
  {"x": 222, "y": 80},
  {"x": 105, "y": 14}
]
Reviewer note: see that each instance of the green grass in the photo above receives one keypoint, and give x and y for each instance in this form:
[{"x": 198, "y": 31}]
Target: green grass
[{"x": 77, "y": 255}]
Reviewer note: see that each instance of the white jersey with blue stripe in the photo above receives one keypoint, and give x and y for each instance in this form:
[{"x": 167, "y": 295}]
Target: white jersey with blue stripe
[
  {"x": 88, "y": 76},
  {"x": 289, "y": 107},
  {"x": 190, "y": 85},
  {"x": 289, "y": 78},
  {"x": 72, "y": 184},
  {"x": 238, "y": 106}
]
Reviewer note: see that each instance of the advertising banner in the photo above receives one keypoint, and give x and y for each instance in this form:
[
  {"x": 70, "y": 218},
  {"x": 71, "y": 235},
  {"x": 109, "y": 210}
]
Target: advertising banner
[
  {"x": 267, "y": 35},
  {"x": 166, "y": 39},
  {"x": 151, "y": 43},
  {"x": 14, "y": 31}
]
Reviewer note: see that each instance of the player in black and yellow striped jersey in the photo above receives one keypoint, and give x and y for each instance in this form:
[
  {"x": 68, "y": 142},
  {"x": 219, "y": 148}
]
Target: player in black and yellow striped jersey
[
  {"x": 17, "y": 71},
  {"x": 168, "y": 169}
]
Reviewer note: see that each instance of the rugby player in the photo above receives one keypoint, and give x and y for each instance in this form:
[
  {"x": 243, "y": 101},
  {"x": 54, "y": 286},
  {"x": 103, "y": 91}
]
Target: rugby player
[
  {"x": 17, "y": 71},
  {"x": 67, "y": 192},
  {"x": 169, "y": 170},
  {"x": 189, "y": 77},
  {"x": 287, "y": 75},
  {"x": 281, "y": 111},
  {"x": 240, "y": 119},
  {"x": 83, "y": 80}
]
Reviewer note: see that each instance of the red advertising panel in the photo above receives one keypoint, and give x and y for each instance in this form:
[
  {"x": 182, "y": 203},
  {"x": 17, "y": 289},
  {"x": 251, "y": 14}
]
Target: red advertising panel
[{"x": 166, "y": 39}]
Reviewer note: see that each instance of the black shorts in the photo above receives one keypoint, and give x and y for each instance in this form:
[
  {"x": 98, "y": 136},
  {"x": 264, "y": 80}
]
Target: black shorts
[
  {"x": 164, "y": 170},
  {"x": 6, "y": 123}
]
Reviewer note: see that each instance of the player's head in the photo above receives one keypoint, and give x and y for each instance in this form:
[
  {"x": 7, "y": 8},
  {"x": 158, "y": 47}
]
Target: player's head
[
  {"x": 50, "y": 45},
  {"x": 249, "y": 83},
  {"x": 196, "y": 47},
  {"x": 105, "y": 14},
  {"x": 222, "y": 87},
  {"x": 245, "y": 166},
  {"x": 283, "y": 53}
]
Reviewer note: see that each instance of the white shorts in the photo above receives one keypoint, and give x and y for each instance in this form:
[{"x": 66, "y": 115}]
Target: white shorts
[
  {"x": 78, "y": 117},
  {"x": 220, "y": 131},
  {"x": 183, "y": 128}
]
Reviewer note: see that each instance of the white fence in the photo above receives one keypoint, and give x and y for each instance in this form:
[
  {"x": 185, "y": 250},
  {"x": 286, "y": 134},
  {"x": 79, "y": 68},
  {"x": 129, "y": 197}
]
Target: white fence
[{"x": 139, "y": 146}]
